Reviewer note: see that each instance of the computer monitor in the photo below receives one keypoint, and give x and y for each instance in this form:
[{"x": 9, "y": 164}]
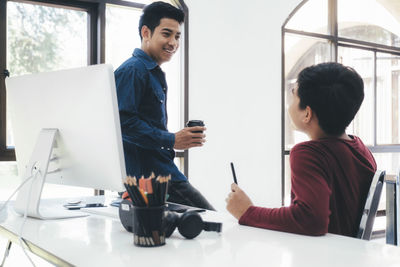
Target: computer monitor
[{"x": 67, "y": 131}]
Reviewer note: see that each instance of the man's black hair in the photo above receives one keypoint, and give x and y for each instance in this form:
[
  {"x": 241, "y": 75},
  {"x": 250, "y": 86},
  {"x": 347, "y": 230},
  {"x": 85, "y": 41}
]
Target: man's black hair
[
  {"x": 153, "y": 13},
  {"x": 334, "y": 93}
]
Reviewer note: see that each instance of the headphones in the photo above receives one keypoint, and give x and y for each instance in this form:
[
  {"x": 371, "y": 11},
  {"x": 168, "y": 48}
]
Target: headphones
[{"x": 189, "y": 224}]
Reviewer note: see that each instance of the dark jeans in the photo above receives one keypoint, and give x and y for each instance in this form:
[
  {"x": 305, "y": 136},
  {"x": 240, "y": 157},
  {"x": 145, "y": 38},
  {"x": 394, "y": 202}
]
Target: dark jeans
[{"x": 183, "y": 192}]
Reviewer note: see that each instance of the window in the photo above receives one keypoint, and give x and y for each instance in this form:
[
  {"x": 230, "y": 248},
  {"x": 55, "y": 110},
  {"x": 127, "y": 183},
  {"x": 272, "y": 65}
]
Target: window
[
  {"x": 367, "y": 40},
  {"x": 47, "y": 35},
  {"x": 32, "y": 48}
]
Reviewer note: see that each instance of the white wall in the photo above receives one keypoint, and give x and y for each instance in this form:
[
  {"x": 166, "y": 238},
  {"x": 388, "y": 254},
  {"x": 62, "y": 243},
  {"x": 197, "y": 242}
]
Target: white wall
[{"x": 235, "y": 87}]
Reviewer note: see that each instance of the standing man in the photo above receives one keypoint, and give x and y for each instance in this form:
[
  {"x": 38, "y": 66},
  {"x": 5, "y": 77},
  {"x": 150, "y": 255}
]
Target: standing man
[{"x": 142, "y": 98}]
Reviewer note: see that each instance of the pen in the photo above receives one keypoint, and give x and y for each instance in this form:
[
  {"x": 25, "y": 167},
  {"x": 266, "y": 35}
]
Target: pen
[{"x": 233, "y": 173}]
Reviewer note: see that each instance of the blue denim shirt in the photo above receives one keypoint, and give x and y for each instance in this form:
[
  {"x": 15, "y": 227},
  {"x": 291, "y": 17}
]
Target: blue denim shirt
[{"x": 142, "y": 96}]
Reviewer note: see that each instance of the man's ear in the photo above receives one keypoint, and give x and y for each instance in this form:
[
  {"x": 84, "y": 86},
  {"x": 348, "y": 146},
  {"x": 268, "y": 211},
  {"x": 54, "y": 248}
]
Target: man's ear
[
  {"x": 146, "y": 33},
  {"x": 308, "y": 115}
]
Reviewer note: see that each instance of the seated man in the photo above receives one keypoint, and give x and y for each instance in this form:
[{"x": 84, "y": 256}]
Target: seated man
[{"x": 331, "y": 174}]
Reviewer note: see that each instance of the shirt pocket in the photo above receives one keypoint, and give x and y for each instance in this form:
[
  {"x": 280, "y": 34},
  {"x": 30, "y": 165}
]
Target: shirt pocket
[{"x": 159, "y": 94}]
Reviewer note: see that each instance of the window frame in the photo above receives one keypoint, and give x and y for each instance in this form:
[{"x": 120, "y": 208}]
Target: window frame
[
  {"x": 96, "y": 10},
  {"x": 335, "y": 42}
]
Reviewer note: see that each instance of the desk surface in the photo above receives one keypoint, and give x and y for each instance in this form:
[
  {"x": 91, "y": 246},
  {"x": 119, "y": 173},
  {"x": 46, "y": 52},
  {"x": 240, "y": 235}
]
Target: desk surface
[{"x": 98, "y": 240}]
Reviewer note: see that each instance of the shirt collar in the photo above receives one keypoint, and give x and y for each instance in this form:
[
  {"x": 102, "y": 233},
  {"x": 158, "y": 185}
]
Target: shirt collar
[{"x": 146, "y": 59}]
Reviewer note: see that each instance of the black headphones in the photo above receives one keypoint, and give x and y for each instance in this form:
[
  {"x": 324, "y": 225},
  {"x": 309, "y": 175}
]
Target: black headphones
[{"x": 189, "y": 224}]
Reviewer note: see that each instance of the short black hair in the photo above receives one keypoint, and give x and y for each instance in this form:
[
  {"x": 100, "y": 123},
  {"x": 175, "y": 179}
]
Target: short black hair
[
  {"x": 334, "y": 93},
  {"x": 153, "y": 13}
]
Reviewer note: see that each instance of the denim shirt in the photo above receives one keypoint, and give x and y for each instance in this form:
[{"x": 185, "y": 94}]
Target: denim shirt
[{"x": 142, "y": 96}]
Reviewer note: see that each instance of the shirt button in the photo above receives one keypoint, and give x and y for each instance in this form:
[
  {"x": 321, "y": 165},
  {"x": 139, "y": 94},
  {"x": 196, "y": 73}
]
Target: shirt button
[
  {"x": 162, "y": 101},
  {"x": 162, "y": 147},
  {"x": 165, "y": 89}
]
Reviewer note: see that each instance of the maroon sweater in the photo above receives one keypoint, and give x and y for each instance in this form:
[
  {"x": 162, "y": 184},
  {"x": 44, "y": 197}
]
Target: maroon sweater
[{"x": 330, "y": 182}]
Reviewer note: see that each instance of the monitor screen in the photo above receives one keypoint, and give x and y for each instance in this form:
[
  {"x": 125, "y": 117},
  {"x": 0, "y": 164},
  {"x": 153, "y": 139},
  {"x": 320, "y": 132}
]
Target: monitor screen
[{"x": 79, "y": 107}]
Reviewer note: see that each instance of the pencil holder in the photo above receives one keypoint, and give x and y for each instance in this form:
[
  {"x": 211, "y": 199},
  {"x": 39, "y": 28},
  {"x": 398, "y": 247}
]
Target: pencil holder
[{"x": 147, "y": 226}]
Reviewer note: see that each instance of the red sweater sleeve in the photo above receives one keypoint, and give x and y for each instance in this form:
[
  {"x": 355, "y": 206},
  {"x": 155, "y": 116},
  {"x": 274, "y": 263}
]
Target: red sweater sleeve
[{"x": 309, "y": 210}]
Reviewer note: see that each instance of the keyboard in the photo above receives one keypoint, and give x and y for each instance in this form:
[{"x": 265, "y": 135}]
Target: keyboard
[{"x": 113, "y": 210}]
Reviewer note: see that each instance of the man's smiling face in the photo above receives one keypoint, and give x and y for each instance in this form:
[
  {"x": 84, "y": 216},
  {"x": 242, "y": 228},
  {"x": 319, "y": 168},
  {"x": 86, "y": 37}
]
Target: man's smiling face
[{"x": 162, "y": 43}]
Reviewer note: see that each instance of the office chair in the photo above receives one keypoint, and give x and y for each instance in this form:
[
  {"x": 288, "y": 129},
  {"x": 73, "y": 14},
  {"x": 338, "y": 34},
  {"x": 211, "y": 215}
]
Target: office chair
[
  {"x": 392, "y": 209},
  {"x": 371, "y": 206}
]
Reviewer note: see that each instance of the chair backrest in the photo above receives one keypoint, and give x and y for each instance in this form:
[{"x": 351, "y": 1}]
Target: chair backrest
[{"x": 371, "y": 206}]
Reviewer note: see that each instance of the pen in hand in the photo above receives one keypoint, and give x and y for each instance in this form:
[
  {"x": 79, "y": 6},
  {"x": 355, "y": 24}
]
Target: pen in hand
[{"x": 233, "y": 173}]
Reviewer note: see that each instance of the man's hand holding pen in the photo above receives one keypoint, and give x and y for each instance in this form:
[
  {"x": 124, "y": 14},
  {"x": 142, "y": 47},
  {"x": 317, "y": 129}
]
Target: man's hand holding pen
[
  {"x": 190, "y": 137},
  {"x": 237, "y": 201}
]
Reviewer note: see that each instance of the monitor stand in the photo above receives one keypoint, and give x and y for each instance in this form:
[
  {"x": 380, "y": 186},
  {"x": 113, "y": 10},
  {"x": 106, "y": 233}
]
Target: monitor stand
[{"x": 29, "y": 195}]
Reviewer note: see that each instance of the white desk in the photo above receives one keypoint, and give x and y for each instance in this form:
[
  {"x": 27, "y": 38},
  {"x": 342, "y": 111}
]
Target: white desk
[{"x": 102, "y": 241}]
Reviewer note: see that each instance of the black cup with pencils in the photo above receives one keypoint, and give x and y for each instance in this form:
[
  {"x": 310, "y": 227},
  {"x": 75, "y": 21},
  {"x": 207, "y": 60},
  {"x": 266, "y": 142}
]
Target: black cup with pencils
[{"x": 148, "y": 196}]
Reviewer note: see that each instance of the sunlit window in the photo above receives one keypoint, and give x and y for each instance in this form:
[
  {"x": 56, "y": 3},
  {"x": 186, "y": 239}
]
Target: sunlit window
[
  {"x": 42, "y": 38},
  {"x": 375, "y": 21},
  {"x": 367, "y": 40}
]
